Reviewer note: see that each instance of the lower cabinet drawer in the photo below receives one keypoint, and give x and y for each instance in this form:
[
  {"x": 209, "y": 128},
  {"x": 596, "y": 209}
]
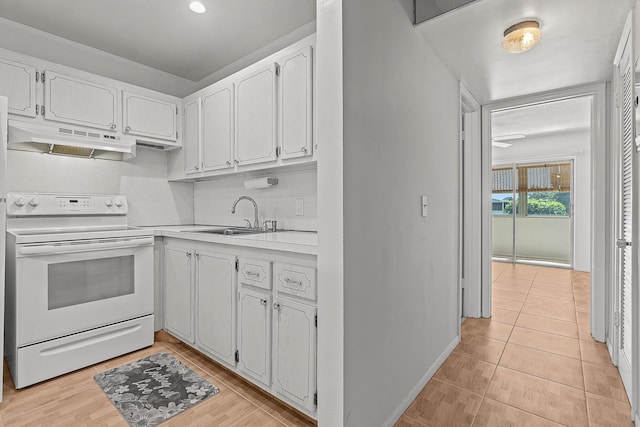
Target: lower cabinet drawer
[
  {"x": 296, "y": 280},
  {"x": 255, "y": 272}
]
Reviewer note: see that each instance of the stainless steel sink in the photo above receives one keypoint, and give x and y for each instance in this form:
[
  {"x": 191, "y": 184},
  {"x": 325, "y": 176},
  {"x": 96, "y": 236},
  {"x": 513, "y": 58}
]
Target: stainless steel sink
[{"x": 231, "y": 231}]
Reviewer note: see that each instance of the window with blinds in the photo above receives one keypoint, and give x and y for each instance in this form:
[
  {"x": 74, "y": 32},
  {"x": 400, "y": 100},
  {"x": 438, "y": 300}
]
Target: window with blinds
[{"x": 542, "y": 189}]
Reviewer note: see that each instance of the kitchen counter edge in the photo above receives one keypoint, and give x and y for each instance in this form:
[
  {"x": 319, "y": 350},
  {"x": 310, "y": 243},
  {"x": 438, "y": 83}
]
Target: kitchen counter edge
[{"x": 302, "y": 242}]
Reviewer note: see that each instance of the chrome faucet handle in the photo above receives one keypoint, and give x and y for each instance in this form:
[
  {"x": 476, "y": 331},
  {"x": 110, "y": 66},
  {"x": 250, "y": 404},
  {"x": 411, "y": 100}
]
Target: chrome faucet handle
[
  {"x": 272, "y": 222},
  {"x": 248, "y": 223}
]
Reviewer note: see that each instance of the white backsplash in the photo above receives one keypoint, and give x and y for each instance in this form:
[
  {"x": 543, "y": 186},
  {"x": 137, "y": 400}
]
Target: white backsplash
[
  {"x": 213, "y": 200},
  {"x": 143, "y": 179}
]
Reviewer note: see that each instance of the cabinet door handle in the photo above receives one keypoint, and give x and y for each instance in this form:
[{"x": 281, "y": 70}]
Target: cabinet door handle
[
  {"x": 127, "y": 129},
  {"x": 112, "y": 126},
  {"x": 197, "y": 254},
  {"x": 293, "y": 282},
  {"x": 304, "y": 149},
  {"x": 188, "y": 254},
  {"x": 263, "y": 302},
  {"x": 252, "y": 274},
  {"x": 277, "y": 306},
  {"x": 228, "y": 163}
]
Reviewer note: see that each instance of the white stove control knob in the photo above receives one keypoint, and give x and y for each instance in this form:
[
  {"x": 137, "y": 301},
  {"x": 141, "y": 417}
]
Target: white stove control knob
[
  {"x": 34, "y": 202},
  {"x": 108, "y": 203},
  {"x": 119, "y": 203},
  {"x": 21, "y": 201}
]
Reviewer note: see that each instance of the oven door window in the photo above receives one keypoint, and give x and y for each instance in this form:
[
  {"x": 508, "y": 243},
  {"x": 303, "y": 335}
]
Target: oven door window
[{"x": 79, "y": 282}]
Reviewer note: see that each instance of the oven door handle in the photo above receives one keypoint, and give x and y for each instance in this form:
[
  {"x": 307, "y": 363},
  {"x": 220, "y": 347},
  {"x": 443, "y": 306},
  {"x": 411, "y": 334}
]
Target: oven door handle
[{"x": 82, "y": 247}]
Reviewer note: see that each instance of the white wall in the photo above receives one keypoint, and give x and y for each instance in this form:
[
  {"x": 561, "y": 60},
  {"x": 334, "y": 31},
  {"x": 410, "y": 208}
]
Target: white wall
[
  {"x": 213, "y": 200},
  {"x": 575, "y": 145},
  {"x": 152, "y": 200},
  {"x": 401, "y": 127},
  {"x": 29, "y": 41}
]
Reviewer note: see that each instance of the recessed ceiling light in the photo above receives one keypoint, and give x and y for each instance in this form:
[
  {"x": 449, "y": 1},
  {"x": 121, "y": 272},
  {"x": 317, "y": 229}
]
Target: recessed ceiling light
[
  {"x": 521, "y": 36},
  {"x": 197, "y": 7}
]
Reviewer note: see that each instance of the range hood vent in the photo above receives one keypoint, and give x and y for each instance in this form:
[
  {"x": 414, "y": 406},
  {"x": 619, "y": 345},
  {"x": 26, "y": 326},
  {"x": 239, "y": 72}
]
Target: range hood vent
[{"x": 67, "y": 141}]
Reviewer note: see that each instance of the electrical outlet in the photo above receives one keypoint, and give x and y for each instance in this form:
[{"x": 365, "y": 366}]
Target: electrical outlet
[
  {"x": 423, "y": 201},
  {"x": 299, "y": 206}
]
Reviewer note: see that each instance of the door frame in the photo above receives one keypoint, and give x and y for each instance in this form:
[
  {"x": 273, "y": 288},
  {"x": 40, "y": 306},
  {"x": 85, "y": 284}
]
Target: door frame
[
  {"x": 470, "y": 270},
  {"x": 613, "y": 339},
  {"x": 600, "y": 219}
]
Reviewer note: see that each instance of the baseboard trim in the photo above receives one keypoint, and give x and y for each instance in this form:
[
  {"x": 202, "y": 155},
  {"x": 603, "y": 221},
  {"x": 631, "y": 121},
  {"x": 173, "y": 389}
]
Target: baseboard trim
[{"x": 415, "y": 391}]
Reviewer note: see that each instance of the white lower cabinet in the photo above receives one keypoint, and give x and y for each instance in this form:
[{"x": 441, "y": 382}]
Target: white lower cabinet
[
  {"x": 252, "y": 310},
  {"x": 294, "y": 351},
  {"x": 216, "y": 290},
  {"x": 178, "y": 290},
  {"x": 254, "y": 335}
]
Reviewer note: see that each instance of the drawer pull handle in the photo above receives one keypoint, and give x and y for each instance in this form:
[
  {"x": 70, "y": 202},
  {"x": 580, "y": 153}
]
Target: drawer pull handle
[
  {"x": 252, "y": 274},
  {"x": 293, "y": 282},
  {"x": 263, "y": 302},
  {"x": 277, "y": 306}
]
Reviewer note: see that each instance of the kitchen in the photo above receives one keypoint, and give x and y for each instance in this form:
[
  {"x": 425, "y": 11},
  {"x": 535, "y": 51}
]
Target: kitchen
[
  {"x": 151, "y": 182},
  {"x": 387, "y": 112}
]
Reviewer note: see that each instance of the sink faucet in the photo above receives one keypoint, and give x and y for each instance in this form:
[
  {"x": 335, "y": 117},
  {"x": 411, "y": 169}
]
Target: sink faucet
[{"x": 256, "y": 223}]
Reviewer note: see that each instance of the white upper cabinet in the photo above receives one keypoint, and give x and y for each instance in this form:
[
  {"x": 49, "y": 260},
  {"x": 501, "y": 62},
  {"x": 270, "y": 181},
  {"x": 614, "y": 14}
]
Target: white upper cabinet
[
  {"x": 81, "y": 102},
  {"x": 256, "y": 113},
  {"x": 217, "y": 128},
  {"x": 191, "y": 136},
  {"x": 18, "y": 83},
  {"x": 296, "y": 104},
  {"x": 149, "y": 117}
]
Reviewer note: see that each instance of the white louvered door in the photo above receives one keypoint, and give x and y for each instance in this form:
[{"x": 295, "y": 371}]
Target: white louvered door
[{"x": 624, "y": 243}]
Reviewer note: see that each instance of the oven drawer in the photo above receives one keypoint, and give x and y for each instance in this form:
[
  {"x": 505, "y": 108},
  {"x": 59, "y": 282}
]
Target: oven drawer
[{"x": 49, "y": 359}]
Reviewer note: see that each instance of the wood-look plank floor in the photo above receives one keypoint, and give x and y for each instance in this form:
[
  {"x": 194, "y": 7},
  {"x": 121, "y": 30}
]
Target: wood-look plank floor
[
  {"x": 534, "y": 363},
  {"x": 75, "y": 399}
]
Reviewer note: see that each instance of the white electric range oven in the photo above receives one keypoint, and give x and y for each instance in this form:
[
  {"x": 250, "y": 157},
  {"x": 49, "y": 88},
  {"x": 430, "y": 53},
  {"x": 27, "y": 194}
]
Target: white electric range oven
[{"x": 79, "y": 284}]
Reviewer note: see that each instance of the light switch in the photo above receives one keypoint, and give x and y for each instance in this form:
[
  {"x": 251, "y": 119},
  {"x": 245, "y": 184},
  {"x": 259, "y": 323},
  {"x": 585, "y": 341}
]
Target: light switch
[
  {"x": 423, "y": 201},
  {"x": 299, "y": 206}
]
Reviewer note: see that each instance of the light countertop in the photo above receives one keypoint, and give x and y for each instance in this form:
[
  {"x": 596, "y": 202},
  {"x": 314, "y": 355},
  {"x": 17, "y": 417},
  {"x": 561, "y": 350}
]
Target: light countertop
[{"x": 303, "y": 242}]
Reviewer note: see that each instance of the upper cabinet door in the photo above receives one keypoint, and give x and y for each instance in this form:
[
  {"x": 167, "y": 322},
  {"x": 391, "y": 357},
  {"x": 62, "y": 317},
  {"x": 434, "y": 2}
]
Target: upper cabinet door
[
  {"x": 80, "y": 102},
  {"x": 149, "y": 117},
  {"x": 256, "y": 113},
  {"x": 191, "y": 137},
  {"x": 217, "y": 128},
  {"x": 18, "y": 83},
  {"x": 296, "y": 104}
]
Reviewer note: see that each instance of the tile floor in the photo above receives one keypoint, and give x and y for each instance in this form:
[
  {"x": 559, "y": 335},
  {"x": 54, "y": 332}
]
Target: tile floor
[
  {"x": 533, "y": 363},
  {"x": 76, "y": 400}
]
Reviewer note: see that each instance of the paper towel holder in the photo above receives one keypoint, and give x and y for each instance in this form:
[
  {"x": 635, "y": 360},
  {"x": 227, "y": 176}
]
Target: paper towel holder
[{"x": 260, "y": 182}]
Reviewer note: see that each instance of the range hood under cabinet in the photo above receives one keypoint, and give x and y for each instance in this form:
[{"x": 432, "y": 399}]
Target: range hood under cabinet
[{"x": 69, "y": 141}]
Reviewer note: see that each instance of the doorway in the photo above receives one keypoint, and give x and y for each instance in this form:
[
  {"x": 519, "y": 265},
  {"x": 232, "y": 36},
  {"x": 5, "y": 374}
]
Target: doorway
[{"x": 588, "y": 190}]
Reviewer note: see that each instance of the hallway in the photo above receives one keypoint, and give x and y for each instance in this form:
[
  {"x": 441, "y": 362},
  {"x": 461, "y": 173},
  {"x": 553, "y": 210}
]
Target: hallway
[{"x": 533, "y": 363}]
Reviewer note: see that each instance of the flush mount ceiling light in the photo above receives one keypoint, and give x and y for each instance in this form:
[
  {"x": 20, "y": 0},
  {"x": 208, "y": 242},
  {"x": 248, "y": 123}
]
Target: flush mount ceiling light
[
  {"x": 521, "y": 36},
  {"x": 197, "y": 7}
]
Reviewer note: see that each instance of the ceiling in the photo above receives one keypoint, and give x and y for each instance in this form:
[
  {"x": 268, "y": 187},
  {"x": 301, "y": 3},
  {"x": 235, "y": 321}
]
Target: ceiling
[
  {"x": 165, "y": 34},
  {"x": 566, "y": 115},
  {"x": 579, "y": 41}
]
